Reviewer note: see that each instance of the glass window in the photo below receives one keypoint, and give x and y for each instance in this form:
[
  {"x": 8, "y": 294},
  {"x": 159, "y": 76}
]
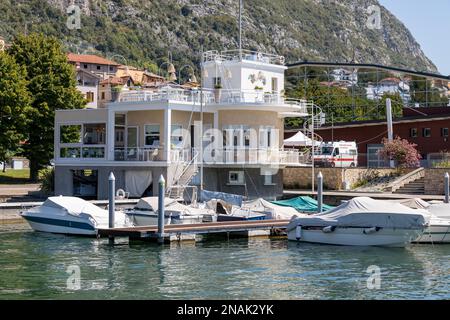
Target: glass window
[
  {"x": 327, "y": 151},
  {"x": 176, "y": 137},
  {"x": 70, "y": 134},
  {"x": 268, "y": 179},
  {"x": 236, "y": 177},
  {"x": 69, "y": 153},
  {"x": 85, "y": 66},
  {"x": 93, "y": 153},
  {"x": 98, "y": 67},
  {"x": 119, "y": 119},
  {"x": 413, "y": 132},
  {"x": 90, "y": 96},
  {"x": 152, "y": 135},
  {"x": 336, "y": 152},
  {"x": 445, "y": 132},
  {"x": 426, "y": 132},
  {"x": 94, "y": 133}
]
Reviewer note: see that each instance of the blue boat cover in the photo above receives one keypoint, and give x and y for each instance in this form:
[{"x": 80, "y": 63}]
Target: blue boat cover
[
  {"x": 302, "y": 204},
  {"x": 233, "y": 199}
]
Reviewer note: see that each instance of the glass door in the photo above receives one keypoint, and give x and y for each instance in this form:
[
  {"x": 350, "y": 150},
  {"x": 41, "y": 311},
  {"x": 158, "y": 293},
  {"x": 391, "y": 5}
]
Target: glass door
[{"x": 132, "y": 143}]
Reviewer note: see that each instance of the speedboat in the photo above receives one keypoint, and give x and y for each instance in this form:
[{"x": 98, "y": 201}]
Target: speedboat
[
  {"x": 361, "y": 222},
  {"x": 145, "y": 213},
  {"x": 71, "y": 215},
  {"x": 438, "y": 230}
]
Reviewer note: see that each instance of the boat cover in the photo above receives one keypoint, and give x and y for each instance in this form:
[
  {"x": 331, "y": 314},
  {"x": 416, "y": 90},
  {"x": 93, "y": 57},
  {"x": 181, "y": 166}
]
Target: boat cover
[
  {"x": 302, "y": 204},
  {"x": 233, "y": 199},
  {"x": 278, "y": 212},
  {"x": 367, "y": 212},
  {"x": 415, "y": 203},
  {"x": 84, "y": 209},
  {"x": 151, "y": 203},
  {"x": 441, "y": 210}
]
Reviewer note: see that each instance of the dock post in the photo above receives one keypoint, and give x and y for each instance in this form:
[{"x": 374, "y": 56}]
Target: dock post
[
  {"x": 161, "y": 196},
  {"x": 319, "y": 192},
  {"x": 112, "y": 203},
  {"x": 446, "y": 187}
]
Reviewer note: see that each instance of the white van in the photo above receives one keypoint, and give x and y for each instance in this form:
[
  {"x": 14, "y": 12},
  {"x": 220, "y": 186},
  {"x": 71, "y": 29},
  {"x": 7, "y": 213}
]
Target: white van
[{"x": 340, "y": 154}]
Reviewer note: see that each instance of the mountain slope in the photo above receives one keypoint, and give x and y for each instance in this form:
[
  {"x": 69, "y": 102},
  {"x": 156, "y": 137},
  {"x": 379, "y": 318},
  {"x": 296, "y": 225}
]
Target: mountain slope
[{"x": 144, "y": 31}]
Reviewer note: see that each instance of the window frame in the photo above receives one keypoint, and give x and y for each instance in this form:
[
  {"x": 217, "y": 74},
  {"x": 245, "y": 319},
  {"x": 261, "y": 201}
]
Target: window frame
[
  {"x": 240, "y": 178},
  {"x": 444, "y": 135},
  {"x": 80, "y": 146},
  {"x": 423, "y": 132},
  {"x": 146, "y": 135},
  {"x": 413, "y": 133}
]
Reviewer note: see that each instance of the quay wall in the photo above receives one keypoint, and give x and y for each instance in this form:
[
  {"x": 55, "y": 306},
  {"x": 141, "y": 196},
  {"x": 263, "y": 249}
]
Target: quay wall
[
  {"x": 434, "y": 180},
  {"x": 333, "y": 178}
]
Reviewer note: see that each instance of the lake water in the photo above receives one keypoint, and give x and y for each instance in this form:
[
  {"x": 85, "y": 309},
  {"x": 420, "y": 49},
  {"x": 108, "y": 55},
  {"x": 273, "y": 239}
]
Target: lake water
[{"x": 35, "y": 265}]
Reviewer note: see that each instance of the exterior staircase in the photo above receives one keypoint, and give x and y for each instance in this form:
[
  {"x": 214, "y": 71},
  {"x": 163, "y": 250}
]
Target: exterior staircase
[
  {"x": 181, "y": 183},
  {"x": 414, "y": 187}
]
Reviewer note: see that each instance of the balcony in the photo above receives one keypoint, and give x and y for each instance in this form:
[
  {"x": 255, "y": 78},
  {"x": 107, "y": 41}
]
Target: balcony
[
  {"x": 212, "y": 97},
  {"x": 151, "y": 154}
]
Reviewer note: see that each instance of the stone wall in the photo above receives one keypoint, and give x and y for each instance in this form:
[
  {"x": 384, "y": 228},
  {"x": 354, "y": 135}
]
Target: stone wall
[
  {"x": 333, "y": 178},
  {"x": 434, "y": 181}
]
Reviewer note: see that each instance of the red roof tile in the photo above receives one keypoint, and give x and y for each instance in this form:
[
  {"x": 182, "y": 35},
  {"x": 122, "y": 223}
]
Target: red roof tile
[{"x": 90, "y": 58}]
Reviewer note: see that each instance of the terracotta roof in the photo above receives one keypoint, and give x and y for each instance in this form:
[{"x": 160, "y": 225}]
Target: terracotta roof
[
  {"x": 90, "y": 58},
  {"x": 391, "y": 80}
]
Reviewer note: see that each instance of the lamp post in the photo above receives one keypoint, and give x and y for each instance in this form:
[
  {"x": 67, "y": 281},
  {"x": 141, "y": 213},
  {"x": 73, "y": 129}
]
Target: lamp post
[
  {"x": 193, "y": 77},
  {"x": 120, "y": 56},
  {"x": 170, "y": 68}
]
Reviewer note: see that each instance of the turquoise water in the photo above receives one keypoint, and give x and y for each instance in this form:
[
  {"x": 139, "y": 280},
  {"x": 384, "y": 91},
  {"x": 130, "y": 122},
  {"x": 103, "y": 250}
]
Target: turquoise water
[{"x": 34, "y": 265}]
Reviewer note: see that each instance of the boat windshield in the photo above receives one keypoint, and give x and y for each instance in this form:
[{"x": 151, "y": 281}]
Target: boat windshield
[{"x": 327, "y": 151}]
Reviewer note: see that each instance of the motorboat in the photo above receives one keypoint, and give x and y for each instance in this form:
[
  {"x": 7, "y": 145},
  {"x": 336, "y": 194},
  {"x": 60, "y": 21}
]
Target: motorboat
[
  {"x": 145, "y": 213},
  {"x": 438, "y": 230},
  {"x": 361, "y": 221},
  {"x": 71, "y": 215}
]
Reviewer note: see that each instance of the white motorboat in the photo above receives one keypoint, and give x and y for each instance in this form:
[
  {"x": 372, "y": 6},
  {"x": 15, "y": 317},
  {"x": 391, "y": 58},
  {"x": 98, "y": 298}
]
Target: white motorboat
[
  {"x": 438, "y": 230},
  {"x": 145, "y": 213},
  {"x": 71, "y": 215},
  {"x": 361, "y": 222}
]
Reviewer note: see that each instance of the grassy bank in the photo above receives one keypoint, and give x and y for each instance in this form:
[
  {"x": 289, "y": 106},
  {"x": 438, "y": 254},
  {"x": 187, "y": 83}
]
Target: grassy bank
[{"x": 15, "y": 176}]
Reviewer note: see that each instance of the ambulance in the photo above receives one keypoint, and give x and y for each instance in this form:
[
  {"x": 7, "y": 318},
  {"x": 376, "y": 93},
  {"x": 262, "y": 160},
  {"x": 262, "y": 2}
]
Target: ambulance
[{"x": 342, "y": 154}]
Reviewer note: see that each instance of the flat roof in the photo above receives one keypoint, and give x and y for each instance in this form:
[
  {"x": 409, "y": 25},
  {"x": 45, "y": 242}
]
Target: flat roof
[{"x": 366, "y": 66}]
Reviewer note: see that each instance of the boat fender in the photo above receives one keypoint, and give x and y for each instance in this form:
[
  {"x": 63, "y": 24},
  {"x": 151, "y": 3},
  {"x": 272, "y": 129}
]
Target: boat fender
[
  {"x": 329, "y": 229},
  {"x": 371, "y": 230},
  {"x": 298, "y": 232},
  {"x": 120, "y": 194}
]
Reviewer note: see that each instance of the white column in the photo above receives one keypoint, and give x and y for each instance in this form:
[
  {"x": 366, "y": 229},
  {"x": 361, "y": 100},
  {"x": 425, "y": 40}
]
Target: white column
[
  {"x": 110, "y": 134},
  {"x": 167, "y": 131}
]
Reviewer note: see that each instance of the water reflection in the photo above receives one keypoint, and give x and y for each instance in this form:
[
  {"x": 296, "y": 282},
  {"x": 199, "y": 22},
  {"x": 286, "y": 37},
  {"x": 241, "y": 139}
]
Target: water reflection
[{"x": 34, "y": 266}]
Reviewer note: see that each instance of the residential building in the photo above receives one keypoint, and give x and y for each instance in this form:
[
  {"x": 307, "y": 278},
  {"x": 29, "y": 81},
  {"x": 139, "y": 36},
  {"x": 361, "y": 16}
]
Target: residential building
[
  {"x": 110, "y": 89},
  {"x": 87, "y": 84},
  {"x": 345, "y": 76},
  {"x": 140, "y": 77},
  {"x": 233, "y": 128},
  {"x": 99, "y": 66},
  {"x": 389, "y": 86}
]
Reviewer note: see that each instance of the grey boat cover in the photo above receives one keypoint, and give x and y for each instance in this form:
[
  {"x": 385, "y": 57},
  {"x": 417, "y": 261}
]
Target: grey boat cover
[
  {"x": 151, "y": 203},
  {"x": 440, "y": 210},
  {"x": 233, "y": 199},
  {"x": 367, "y": 212}
]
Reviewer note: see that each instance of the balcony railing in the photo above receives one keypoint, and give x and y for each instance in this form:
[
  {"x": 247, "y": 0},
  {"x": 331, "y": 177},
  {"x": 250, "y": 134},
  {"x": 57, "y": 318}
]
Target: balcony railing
[
  {"x": 212, "y": 97},
  {"x": 238, "y": 55},
  {"x": 150, "y": 154}
]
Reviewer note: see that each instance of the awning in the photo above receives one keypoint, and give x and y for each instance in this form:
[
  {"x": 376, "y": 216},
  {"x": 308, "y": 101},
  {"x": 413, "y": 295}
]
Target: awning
[{"x": 299, "y": 140}]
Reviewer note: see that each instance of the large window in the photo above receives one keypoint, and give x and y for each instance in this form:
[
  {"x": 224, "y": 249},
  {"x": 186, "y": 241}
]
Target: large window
[
  {"x": 94, "y": 133},
  {"x": 413, "y": 132},
  {"x": 444, "y": 132},
  {"x": 236, "y": 177},
  {"x": 82, "y": 141},
  {"x": 152, "y": 135},
  {"x": 426, "y": 132}
]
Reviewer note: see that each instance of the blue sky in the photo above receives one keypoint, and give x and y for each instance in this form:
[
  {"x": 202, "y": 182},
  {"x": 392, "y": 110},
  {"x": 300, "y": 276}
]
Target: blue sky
[{"x": 429, "y": 22}]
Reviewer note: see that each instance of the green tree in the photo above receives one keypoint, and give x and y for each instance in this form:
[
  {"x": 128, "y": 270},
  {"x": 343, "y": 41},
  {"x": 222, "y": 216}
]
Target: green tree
[
  {"x": 14, "y": 103},
  {"x": 52, "y": 85}
]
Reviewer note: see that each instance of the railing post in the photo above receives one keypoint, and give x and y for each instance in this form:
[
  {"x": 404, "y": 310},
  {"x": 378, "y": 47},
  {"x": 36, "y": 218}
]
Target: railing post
[
  {"x": 112, "y": 204},
  {"x": 446, "y": 187},
  {"x": 161, "y": 196},
  {"x": 319, "y": 192}
]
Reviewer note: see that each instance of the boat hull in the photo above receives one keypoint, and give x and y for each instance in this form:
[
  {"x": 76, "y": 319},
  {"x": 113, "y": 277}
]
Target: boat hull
[
  {"x": 356, "y": 237},
  {"x": 435, "y": 234},
  {"x": 68, "y": 225},
  {"x": 142, "y": 219}
]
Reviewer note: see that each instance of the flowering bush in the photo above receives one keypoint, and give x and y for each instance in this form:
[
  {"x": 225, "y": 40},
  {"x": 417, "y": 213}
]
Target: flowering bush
[{"x": 402, "y": 152}]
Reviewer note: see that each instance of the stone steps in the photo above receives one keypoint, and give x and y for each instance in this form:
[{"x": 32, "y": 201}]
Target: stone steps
[{"x": 414, "y": 187}]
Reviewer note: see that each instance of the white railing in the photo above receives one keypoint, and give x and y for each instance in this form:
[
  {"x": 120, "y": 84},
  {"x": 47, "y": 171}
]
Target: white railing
[
  {"x": 244, "y": 155},
  {"x": 211, "y": 97},
  {"x": 238, "y": 55},
  {"x": 151, "y": 154}
]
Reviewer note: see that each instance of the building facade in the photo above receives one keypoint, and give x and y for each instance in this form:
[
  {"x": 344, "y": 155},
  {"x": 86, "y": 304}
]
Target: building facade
[{"x": 231, "y": 129}]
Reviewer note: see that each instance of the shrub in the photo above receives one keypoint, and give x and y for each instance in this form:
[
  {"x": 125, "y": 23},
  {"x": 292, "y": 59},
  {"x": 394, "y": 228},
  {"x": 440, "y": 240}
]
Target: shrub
[{"x": 48, "y": 181}]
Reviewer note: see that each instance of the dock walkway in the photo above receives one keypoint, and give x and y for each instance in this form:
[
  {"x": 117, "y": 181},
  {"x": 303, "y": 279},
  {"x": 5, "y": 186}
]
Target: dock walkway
[{"x": 179, "y": 231}]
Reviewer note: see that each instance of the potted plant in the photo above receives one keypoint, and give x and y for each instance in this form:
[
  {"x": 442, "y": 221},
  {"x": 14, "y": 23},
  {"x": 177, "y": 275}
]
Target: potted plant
[
  {"x": 217, "y": 92},
  {"x": 259, "y": 88}
]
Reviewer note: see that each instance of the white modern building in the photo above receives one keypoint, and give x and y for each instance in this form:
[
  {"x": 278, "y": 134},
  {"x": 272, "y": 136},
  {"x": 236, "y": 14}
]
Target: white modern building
[{"x": 226, "y": 135}]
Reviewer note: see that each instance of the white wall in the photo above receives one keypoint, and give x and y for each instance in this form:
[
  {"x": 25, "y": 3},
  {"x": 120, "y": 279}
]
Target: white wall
[{"x": 84, "y": 90}]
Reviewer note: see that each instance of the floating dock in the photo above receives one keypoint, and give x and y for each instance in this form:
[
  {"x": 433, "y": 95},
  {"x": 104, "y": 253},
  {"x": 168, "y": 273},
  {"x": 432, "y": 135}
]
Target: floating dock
[{"x": 182, "y": 232}]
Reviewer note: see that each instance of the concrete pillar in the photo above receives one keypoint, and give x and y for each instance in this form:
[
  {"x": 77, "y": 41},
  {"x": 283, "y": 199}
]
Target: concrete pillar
[
  {"x": 167, "y": 133},
  {"x": 110, "y": 130}
]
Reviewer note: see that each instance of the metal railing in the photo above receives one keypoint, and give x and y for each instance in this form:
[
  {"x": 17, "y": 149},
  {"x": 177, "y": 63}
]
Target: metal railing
[
  {"x": 211, "y": 97},
  {"x": 151, "y": 154},
  {"x": 242, "y": 54}
]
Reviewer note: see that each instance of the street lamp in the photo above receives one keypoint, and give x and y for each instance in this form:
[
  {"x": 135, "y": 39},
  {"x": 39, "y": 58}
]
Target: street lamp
[
  {"x": 170, "y": 68},
  {"x": 193, "y": 77},
  {"x": 120, "y": 56}
]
